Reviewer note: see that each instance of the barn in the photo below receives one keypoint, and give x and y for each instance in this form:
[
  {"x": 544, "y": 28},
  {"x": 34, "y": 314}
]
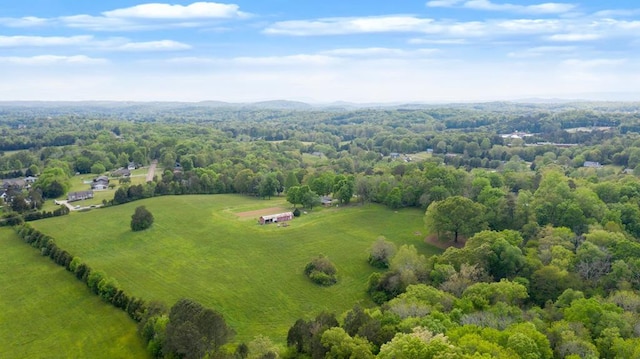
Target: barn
[{"x": 275, "y": 218}]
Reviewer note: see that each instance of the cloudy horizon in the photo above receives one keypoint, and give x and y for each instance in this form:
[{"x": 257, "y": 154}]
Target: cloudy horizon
[{"x": 243, "y": 51}]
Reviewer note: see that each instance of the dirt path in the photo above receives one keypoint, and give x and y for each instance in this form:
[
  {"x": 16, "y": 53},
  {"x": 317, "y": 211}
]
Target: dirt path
[{"x": 152, "y": 170}]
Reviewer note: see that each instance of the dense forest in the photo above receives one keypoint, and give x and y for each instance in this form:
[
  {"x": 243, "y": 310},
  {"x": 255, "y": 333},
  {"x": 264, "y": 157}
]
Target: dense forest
[{"x": 537, "y": 205}]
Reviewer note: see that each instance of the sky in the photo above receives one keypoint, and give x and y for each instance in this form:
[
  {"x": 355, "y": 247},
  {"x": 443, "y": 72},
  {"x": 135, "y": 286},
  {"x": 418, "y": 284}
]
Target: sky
[{"x": 375, "y": 51}]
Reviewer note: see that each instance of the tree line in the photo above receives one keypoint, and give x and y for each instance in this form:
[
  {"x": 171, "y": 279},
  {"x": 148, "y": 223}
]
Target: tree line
[{"x": 187, "y": 330}]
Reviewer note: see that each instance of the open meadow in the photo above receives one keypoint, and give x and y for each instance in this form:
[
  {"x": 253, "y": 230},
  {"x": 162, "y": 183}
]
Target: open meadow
[
  {"x": 203, "y": 247},
  {"x": 47, "y": 313}
]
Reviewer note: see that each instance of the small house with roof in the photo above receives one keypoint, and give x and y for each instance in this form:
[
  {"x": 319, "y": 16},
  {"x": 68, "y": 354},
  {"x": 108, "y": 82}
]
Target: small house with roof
[
  {"x": 15, "y": 184},
  {"x": 79, "y": 196},
  {"x": 100, "y": 183},
  {"x": 326, "y": 201}
]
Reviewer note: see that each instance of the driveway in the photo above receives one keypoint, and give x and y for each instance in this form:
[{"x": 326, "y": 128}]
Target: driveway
[{"x": 152, "y": 170}]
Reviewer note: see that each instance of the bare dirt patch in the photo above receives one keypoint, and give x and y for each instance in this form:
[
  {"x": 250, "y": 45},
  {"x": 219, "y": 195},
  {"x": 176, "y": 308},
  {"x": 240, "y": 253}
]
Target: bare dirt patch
[
  {"x": 437, "y": 242},
  {"x": 261, "y": 212}
]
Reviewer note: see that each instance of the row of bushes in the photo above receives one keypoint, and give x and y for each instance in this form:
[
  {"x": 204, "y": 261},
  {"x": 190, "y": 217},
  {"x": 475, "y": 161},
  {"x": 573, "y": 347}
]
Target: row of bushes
[
  {"x": 14, "y": 218},
  {"x": 11, "y": 219},
  {"x": 34, "y": 216},
  {"x": 98, "y": 282}
]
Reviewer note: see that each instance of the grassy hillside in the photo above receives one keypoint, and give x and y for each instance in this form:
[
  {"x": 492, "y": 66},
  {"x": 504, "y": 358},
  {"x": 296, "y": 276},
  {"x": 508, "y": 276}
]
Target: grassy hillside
[
  {"x": 200, "y": 248},
  {"x": 47, "y": 313}
]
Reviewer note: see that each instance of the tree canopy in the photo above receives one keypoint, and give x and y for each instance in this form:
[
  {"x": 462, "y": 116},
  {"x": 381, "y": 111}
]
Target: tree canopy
[{"x": 455, "y": 216}]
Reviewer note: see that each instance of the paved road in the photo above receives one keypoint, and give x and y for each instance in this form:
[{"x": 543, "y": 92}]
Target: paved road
[{"x": 152, "y": 170}]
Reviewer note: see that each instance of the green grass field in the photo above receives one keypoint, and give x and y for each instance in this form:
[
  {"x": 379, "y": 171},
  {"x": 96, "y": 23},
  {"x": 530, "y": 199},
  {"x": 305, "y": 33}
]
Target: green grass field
[
  {"x": 47, "y": 313},
  {"x": 199, "y": 248}
]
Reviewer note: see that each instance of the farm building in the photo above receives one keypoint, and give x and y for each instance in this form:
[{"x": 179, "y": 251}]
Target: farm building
[{"x": 275, "y": 218}]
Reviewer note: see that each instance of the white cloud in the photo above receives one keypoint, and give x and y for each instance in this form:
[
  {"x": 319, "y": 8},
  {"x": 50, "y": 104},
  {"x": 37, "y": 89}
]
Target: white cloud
[
  {"x": 325, "y": 58},
  {"x": 197, "y": 10},
  {"x": 544, "y": 8},
  {"x": 379, "y": 52},
  {"x": 558, "y": 29},
  {"x": 487, "y": 5},
  {"x": 101, "y": 23},
  {"x": 591, "y": 63},
  {"x": 626, "y": 25},
  {"x": 290, "y": 60},
  {"x": 459, "y": 31},
  {"x": 27, "y": 21},
  {"x": 39, "y": 41},
  {"x": 443, "y": 3},
  {"x": 162, "y": 45},
  {"x": 191, "y": 60},
  {"x": 543, "y": 51},
  {"x": 90, "y": 42},
  {"x": 349, "y": 25},
  {"x": 150, "y": 16},
  {"x": 575, "y": 37},
  {"x": 419, "y": 41},
  {"x": 531, "y": 26},
  {"x": 42, "y": 60},
  {"x": 256, "y": 61},
  {"x": 617, "y": 13}
]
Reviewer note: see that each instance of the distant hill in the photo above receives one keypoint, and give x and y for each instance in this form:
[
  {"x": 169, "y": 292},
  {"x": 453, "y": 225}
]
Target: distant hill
[{"x": 279, "y": 105}]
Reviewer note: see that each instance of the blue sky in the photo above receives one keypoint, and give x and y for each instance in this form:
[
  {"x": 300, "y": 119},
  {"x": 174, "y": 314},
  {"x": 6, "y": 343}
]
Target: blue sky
[{"x": 334, "y": 50}]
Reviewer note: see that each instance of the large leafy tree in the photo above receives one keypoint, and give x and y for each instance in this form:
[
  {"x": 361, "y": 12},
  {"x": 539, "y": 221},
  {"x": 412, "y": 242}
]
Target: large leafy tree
[
  {"x": 141, "y": 219},
  {"x": 310, "y": 199},
  {"x": 243, "y": 182},
  {"x": 457, "y": 216},
  {"x": 293, "y": 195},
  {"x": 342, "y": 345},
  {"x": 194, "y": 331},
  {"x": 268, "y": 185},
  {"x": 322, "y": 184},
  {"x": 344, "y": 188},
  {"x": 53, "y": 182}
]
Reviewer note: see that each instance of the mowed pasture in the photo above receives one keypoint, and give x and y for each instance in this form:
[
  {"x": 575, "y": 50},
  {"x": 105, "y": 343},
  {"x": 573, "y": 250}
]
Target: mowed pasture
[
  {"x": 198, "y": 247},
  {"x": 48, "y": 313}
]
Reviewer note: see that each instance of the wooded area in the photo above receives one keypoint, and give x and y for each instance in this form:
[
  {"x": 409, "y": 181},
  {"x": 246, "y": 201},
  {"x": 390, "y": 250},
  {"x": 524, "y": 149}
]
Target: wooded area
[{"x": 538, "y": 205}]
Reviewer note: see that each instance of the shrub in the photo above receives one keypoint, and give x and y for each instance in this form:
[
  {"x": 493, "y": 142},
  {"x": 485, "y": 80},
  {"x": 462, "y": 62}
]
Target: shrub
[
  {"x": 321, "y": 271},
  {"x": 296, "y": 212},
  {"x": 141, "y": 219},
  {"x": 322, "y": 278},
  {"x": 381, "y": 253}
]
